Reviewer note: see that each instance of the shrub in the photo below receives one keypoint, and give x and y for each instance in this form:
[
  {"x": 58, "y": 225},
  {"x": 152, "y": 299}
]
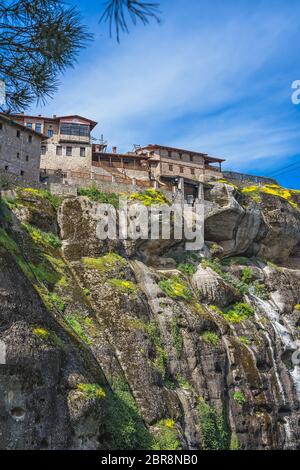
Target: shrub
[
  {"x": 98, "y": 196},
  {"x": 213, "y": 427},
  {"x": 211, "y": 338},
  {"x": 75, "y": 324},
  {"x": 236, "y": 313},
  {"x": 125, "y": 429},
  {"x": 239, "y": 312},
  {"x": 247, "y": 275},
  {"x": 176, "y": 288},
  {"x": 176, "y": 336},
  {"x": 166, "y": 436},
  {"x": 126, "y": 287},
  {"x": 40, "y": 193},
  {"x": 187, "y": 268},
  {"x": 150, "y": 197},
  {"x": 239, "y": 397},
  {"x": 42, "y": 238},
  {"x": 91, "y": 390}
]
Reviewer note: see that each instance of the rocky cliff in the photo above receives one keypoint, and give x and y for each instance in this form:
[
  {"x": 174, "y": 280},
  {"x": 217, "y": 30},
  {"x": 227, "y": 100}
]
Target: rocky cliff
[{"x": 117, "y": 345}]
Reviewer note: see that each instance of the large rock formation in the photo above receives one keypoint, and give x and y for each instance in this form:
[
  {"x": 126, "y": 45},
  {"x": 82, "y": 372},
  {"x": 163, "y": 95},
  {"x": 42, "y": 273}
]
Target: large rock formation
[{"x": 117, "y": 345}]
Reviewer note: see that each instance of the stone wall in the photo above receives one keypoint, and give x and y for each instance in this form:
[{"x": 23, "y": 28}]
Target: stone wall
[
  {"x": 19, "y": 155},
  {"x": 11, "y": 180}
]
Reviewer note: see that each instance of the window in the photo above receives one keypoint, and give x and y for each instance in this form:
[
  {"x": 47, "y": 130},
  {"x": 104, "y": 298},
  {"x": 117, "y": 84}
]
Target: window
[
  {"x": 180, "y": 156},
  {"x": 27, "y": 158},
  {"x": 43, "y": 149},
  {"x": 29, "y": 125},
  {"x": 50, "y": 132},
  {"x": 170, "y": 167},
  {"x": 22, "y": 173},
  {"x": 191, "y": 158},
  {"x": 58, "y": 150},
  {"x": 18, "y": 155},
  {"x": 18, "y": 134},
  {"x": 30, "y": 139},
  {"x": 6, "y": 167},
  {"x": 38, "y": 127},
  {"x": 82, "y": 151},
  {"x": 181, "y": 169},
  {"x": 69, "y": 151},
  {"x": 192, "y": 171},
  {"x": 75, "y": 129},
  {"x": 169, "y": 154}
]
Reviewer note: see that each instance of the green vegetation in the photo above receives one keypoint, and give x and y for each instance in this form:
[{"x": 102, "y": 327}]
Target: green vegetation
[
  {"x": 126, "y": 287},
  {"x": 8, "y": 243},
  {"x": 50, "y": 336},
  {"x": 245, "y": 285},
  {"x": 239, "y": 397},
  {"x": 235, "y": 261},
  {"x": 161, "y": 356},
  {"x": 297, "y": 307},
  {"x": 98, "y": 196},
  {"x": 247, "y": 275},
  {"x": 166, "y": 436},
  {"x": 42, "y": 238},
  {"x": 236, "y": 313},
  {"x": 176, "y": 288},
  {"x": 211, "y": 338},
  {"x": 183, "y": 382},
  {"x": 152, "y": 331},
  {"x": 255, "y": 193},
  {"x": 213, "y": 427},
  {"x": 91, "y": 391},
  {"x": 78, "y": 324},
  {"x": 176, "y": 336},
  {"x": 245, "y": 340},
  {"x": 106, "y": 263},
  {"x": 45, "y": 273},
  {"x": 234, "y": 442},
  {"x": 189, "y": 269},
  {"x": 41, "y": 194},
  {"x": 150, "y": 197},
  {"x": 124, "y": 426}
]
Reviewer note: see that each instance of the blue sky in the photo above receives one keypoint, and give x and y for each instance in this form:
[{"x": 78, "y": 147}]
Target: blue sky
[{"x": 214, "y": 76}]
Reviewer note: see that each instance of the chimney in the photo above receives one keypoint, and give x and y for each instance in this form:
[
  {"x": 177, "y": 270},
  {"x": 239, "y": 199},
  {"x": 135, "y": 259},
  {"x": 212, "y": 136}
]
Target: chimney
[{"x": 114, "y": 150}]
